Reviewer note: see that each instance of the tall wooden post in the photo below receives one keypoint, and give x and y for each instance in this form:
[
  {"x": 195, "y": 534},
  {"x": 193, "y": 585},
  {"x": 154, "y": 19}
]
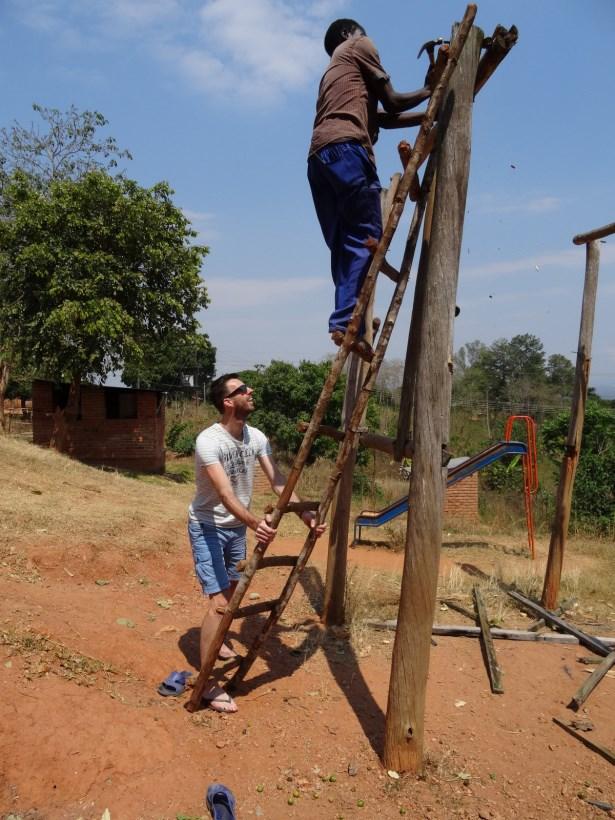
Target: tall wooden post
[
  {"x": 559, "y": 530},
  {"x": 403, "y": 749},
  {"x": 334, "y": 605},
  {"x": 406, "y": 399}
]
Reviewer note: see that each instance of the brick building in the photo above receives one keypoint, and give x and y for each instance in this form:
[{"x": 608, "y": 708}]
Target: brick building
[
  {"x": 115, "y": 426},
  {"x": 461, "y": 500}
]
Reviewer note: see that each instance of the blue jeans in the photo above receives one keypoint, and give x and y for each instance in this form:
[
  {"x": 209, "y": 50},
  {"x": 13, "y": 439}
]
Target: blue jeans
[
  {"x": 216, "y": 552},
  {"x": 346, "y": 192}
]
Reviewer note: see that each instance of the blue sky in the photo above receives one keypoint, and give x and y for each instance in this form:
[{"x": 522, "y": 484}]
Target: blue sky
[{"x": 217, "y": 97}]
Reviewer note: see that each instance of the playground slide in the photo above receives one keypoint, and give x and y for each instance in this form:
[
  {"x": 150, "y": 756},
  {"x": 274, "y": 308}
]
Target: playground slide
[{"x": 376, "y": 518}]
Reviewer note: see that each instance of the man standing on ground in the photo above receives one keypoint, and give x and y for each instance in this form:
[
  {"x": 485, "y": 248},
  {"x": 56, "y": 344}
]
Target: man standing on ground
[
  {"x": 341, "y": 165},
  {"x": 226, "y": 454}
]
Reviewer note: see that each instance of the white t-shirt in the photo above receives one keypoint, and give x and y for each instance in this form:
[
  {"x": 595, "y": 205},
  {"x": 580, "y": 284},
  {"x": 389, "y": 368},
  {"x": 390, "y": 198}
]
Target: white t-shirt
[{"x": 215, "y": 445}]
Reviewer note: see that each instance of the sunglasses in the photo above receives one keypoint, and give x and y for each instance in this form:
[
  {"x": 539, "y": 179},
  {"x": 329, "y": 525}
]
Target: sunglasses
[{"x": 238, "y": 391}]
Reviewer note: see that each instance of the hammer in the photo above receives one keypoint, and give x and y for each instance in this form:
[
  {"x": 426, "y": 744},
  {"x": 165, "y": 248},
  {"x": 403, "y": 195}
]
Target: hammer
[
  {"x": 436, "y": 66},
  {"x": 430, "y": 46}
]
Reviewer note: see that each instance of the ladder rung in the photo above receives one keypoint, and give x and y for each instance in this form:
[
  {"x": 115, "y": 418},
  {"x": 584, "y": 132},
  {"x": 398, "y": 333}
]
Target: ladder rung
[
  {"x": 296, "y": 507},
  {"x": 271, "y": 561},
  {"x": 389, "y": 271},
  {"x": 255, "y": 609}
]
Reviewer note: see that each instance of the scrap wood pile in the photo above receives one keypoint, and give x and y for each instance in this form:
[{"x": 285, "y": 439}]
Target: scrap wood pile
[{"x": 562, "y": 631}]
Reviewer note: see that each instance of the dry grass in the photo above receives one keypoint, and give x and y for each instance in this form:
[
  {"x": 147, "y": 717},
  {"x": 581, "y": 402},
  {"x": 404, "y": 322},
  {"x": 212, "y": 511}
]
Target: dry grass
[
  {"x": 44, "y": 493},
  {"x": 43, "y": 656},
  {"x": 587, "y": 579}
]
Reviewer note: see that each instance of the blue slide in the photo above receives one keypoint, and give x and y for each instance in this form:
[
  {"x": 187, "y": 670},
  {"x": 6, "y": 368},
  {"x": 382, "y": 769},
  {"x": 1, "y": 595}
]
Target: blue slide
[{"x": 377, "y": 518}]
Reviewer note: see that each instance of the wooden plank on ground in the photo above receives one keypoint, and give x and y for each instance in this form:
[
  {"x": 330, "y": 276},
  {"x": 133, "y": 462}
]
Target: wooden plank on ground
[
  {"x": 603, "y": 751},
  {"x": 493, "y": 667},
  {"x": 589, "y": 641},
  {"x": 594, "y": 679},
  {"x": 458, "y": 631},
  {"x": 564, "y": 606},
  {"x": 458, "y": 608}
]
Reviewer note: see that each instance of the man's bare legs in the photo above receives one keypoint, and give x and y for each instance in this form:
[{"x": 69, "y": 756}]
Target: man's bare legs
[{"x": 217, "y": 698}]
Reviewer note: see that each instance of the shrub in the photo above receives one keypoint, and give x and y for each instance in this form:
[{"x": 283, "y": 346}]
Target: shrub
[{"x": 181, "y": 437}]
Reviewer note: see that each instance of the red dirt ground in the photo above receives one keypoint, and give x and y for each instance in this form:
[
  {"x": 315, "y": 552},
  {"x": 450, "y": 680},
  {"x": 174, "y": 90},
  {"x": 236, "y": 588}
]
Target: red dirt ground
[{"x": 77, "y": 741}]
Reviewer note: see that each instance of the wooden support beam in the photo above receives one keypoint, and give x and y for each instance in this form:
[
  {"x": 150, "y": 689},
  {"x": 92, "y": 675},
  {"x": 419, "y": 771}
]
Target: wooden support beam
[
  {"x": 459, "y": 631},
  {"x": 500, "y": 43},
  {"x": 334, "y": 599},
  {"x": 603, "y": 751},
  {"x": 493, "y": 667},
  {"x": 559, "y": 530},
  {"x": 597, "y": 233},
  {"x": 404, "y": 730},
  {"x": 406, "y": 399},
  {"x": 594, "y": 679},
  {"x": 373, "y": 441}
]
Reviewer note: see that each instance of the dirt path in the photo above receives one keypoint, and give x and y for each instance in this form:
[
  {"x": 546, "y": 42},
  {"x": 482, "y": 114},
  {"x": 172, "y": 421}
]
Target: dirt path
[{"x": 80, "y": 737}]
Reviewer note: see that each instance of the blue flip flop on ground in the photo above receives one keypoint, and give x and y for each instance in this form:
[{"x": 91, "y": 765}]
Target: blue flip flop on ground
[
  {"x": 174, "y": 684},
  {"x": 220, "y": 802}
]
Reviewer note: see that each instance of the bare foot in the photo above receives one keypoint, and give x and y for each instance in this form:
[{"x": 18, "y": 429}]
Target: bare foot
[{"x": 219, "y": 700}]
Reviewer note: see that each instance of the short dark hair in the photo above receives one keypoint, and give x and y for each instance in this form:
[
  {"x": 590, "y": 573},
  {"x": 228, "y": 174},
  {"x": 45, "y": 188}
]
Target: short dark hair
[
  {"x": 334, "y": 35},
  {"x": 218, "y": 391}
]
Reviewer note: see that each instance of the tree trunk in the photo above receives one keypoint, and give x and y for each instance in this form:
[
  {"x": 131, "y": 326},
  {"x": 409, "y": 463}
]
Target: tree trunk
[
  {"x": 5, "y": 370},
  {"x": 64, "y": 418}
]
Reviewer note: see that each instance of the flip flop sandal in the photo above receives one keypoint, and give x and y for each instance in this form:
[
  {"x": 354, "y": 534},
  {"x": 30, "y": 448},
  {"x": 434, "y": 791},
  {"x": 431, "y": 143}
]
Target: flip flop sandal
[
  {"x": 230, "y": 656},
  {"x": 174, "y": 685},
  {"x": 218, "y": 699},
  {"x": 220, "y": 802}
]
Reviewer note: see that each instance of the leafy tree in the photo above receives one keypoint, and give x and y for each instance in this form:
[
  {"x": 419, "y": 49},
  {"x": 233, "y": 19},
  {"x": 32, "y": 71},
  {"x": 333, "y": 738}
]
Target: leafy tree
[
  {"x": 506, "y": 365},
  {"x": 66, "y": 146},
  {"x": 593, "y": 501},
  {"x": 90, "y": 268},
  {"x": 560, "y": 373},
  {"x": 169, "y": 360},
  {"x": 286, "y": 394}
]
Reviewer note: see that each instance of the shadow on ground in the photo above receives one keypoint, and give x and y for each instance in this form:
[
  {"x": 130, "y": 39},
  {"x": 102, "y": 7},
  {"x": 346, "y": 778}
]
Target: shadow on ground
[{"x": 283, "y": 661}]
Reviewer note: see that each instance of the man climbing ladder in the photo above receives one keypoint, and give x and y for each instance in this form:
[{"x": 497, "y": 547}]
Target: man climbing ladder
[{"x": 341, "y": 164}]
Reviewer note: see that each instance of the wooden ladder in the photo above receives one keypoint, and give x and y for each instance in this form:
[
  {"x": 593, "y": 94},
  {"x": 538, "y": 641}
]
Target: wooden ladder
[{"x": 399, "y": 193}]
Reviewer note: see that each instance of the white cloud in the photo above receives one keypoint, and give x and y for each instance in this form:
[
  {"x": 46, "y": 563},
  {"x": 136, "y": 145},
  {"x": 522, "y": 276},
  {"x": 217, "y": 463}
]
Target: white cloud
[{"x": 254, "y": 51}]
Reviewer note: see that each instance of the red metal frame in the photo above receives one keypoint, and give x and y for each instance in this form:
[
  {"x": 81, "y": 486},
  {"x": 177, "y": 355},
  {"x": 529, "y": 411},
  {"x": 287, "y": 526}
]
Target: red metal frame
[{"x": 530, "y": 472}]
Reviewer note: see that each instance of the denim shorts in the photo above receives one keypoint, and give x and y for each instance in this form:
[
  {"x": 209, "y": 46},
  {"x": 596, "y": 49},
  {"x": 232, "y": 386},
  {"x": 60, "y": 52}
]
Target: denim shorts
[{"x": 216, "y": 552}]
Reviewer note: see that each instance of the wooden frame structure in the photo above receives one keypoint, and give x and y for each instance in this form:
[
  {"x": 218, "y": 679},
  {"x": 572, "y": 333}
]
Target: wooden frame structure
[{"x": 426, "y": 397}]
